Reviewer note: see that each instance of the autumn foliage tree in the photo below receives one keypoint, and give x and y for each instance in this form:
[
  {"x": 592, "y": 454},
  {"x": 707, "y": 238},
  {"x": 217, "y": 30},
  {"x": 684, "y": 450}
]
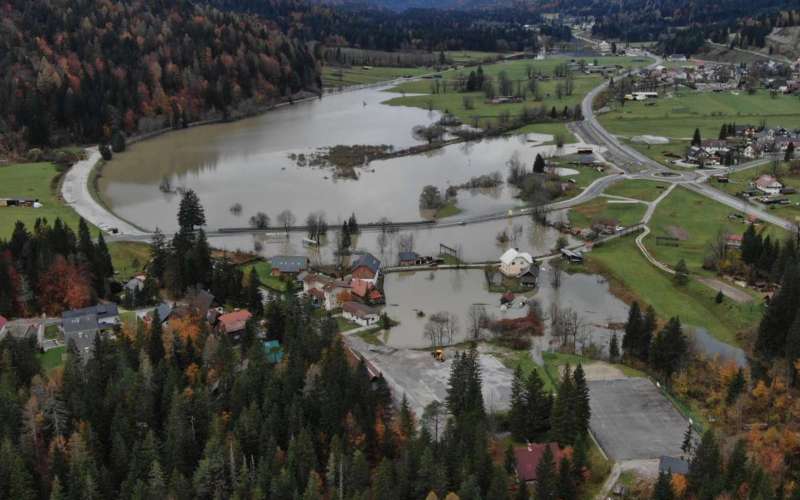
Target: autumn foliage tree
[{"x": 64, "y": 286}]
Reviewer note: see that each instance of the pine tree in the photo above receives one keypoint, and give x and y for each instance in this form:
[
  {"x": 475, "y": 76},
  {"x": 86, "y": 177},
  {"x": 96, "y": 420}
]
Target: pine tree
[
  {"x": 705, "y": 469},
  {"x": 582, "y": 410},
  {"x": 155, "y": 343},
  {"x": 190, "y": 212},
  {"x": 580, "y": 458},
  {"x": 633, "y": 330},
  {"x": 509, "y": 460},
  {"x": 649, "y": 324},
  {"x": 735, "y": 387},
  {"x": 613, "y": 349},
  {"x": 352, "y": 224},
  {"x": 538, "y": 406},
  {"x": 499, "y": 486},
  {"x": 563, "y": 416},
  {"x": 255, "y": 302},
  {"x": 538, "y": 164},
  {"x": 517, "y": 414},
  {"x": 771, "y": 340},
  {"x": 789, "y": 156},
  {"x": 737, "y": 470},
  {"x": 669, "y": 348},
  {"x": 566, "y": 481},
  {"x": 663, "y": 489},
  {"x": 546, "y": 477},
  {"x": 158, "y": 254},
  {"x": 469, "y": 490},
  {"x": 696, "y": 139},
  {"x": 85, "y": 244},
  {"x": 681, "y": 273},
  {"x": 793, "y": 350},
  {"x": 383, "y": 486},
  {"x": 522, "y": 491},
  {"x": 686, "y": 445}
]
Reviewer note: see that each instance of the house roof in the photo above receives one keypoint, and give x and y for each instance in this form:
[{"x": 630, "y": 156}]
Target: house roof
[
  {"x": 164, "y": 311},
  {"x": 316, "y": 293},
  {"x": 3, "y": 322},
  {"x": 360, "y": 287},
  {"x": 528, "y": 458},
  {"x": 75, "y": 324},
  {"x": 512, "y": 253},
  {"x": 102, "y": 311},
  {"x": 134, "y": 284},
  {"x": 408, "y": 256},
  {"x": 673, "y": 465},
  {"x": 367, "y": 260},
  {"x": 358, "y": 309},
  {"x": 274, "y": 351},
  {"x": 289, "y": 263},
  {"x": 234, "y": 321},
  {"x": 767, "y": 181}
]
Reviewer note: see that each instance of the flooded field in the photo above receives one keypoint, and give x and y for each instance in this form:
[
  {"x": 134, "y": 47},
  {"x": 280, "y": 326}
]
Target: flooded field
[
  {"x": 454, "y": 291},
  {"x": 247, "y": 162}
]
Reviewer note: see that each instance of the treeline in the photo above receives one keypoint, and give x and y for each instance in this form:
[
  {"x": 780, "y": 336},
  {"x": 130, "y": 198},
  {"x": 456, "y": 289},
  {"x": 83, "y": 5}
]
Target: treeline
[
  {"x": 52, "y": 268},
  {"x": 364, "y": 26},
  {"x": 182, "y": 413},
  {"x": 78, "y": 71}
]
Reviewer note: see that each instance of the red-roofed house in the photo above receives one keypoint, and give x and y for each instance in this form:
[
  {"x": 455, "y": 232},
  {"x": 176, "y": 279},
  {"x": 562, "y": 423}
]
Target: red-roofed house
[
  {"x": 3, "y": 323},
  {"x": 768, "y": 184},
  {"x": 528, "y": 458},
  {"x": 733, "y": 241},
  {"x": 233, "y": 323},
  {"x": 366, "y": 291}
]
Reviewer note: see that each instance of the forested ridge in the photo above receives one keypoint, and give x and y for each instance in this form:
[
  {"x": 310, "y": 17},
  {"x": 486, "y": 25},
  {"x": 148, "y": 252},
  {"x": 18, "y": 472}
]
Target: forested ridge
[{"x": 77, "y": 71}]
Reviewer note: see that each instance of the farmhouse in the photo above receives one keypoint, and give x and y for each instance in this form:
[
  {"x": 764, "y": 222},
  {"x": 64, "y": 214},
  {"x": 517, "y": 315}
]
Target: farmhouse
[
  {"x": 288, "y": 264},
  {"x": 366, "y": 267},
  {"x": 514, "y": 263},
  {"x": 528, "y": 457},
  {"x": 81, "y": 330},
  {"x": 106, "y": 315},
  {"x": 768, "y": 184},
  {"x": 233, "y": 323},
  {"x": 359, "y": 313}
]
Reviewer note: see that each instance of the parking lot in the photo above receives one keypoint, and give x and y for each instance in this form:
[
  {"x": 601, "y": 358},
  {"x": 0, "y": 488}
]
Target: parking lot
[{"x": 632, "y": 420}]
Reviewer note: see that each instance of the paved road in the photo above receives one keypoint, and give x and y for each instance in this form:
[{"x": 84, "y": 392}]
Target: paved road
[{"x": 75, "y": 191}]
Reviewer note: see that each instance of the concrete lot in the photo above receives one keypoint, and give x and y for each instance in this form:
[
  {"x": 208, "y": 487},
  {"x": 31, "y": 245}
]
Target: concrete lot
[
  {"x": 632, "y": 420},
  {"x": 422, "y": 379}
]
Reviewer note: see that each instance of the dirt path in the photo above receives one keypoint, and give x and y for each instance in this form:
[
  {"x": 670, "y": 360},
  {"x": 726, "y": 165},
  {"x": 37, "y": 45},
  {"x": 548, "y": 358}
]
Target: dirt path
[{"x": 730, "y": 291}]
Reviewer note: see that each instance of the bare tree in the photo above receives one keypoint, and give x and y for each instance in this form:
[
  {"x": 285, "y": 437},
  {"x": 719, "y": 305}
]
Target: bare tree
[
  {"x": 441, "y": 328},
  {"x": 236, "y": 209},
  {"x": 565, "y": 326},
  {"x": 405, "y": 242},
  {"x": 286, "y": 219},
  {"x": 433, "y": 417},
  {"x": 478, "y": 319},
  {"x": 430, "y": 134},
  {"x": 555, "y": 278},
  {"x": 259, "y": 221}
]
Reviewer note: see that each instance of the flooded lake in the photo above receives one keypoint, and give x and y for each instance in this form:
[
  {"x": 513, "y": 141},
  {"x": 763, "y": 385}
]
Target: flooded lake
[
  {"x": 247, "y": 162},
  {"x": 454, "y": 291}
]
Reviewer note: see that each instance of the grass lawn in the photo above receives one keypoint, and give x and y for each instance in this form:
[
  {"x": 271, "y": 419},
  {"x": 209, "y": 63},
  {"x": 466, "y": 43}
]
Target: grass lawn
[
  {"x": 677, "y": 117},
  {"x": 471, "y": 56},
  {"x": 337, "y": 76},
  {"x": 449, "y": 209},
  {"x": 32, "y": 180},
  {"x": 52, "y": 358},
  {"x": 264, "y": 272},
  {"x": 695, "y": 220},
  {"x": 627, "y": 214},
  {"x": 632, "y": 278},
  {"x": 638, "y": 189},
  {"x": 345, "y": 326},
  {"x": 663, "y": 153},
  {"x": 129, "y": 258},
  {"x": 523, "y": 360},
  {"x": 517, "y": 70},
  {"x": 740, "y": 181},
  {"x": 372, "y": 336}
]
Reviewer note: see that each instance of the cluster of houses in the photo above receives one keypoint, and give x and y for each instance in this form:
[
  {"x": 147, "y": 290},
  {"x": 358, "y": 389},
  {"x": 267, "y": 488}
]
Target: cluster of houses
[
  {"x": 749, "y": 142},
  {"x": 356, "y": 294}
]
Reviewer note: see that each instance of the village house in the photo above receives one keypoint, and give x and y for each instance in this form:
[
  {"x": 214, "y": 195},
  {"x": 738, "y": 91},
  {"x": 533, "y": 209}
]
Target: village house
[
  {"x": 408, "y": 258},
  {"x": 527, "y": 459},
  {"x": 288, "y": 265},
  {"x": 360, "y": 314},
  {"x": 605, "y": 226},
  {"x": 768, "y": 184},
  {"x": 733, "y": 241},
  {"x": 366, "y": 291},
  {"x": 106, "y": 315},
  {"x": 514, "y": 263},
  {"x": 233, "y": 323},
  {"x": 81, "y": 331},
  {"x": 164, "y": 312},
  {"x": 366, "y": 267},
  {"x": 326, "y": 291}
]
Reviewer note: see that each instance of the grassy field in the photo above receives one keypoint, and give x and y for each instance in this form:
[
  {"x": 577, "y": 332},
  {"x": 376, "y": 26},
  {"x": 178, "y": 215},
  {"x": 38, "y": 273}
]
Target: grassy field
[
  {"x": 336, "y": 76},
  {"x": 632, "y": 277},
  {"x": 696, "y": 221},
  {"x": 638, "y": 189},
  {"x": 264, "y": 272},
  {"x": 517, "y": 70},
  {"x": 627, "y": 214},
  {"x": 52, "y": 358},
  {"x": 344, "y": 325},
  {"x": 32, "y": 180},
  {"x": 677, "y": 117},
  {"x": 553, "y": 129},
  {"x": 470, "y": 56},
  {"x": 449, "y": 209},
  {"x": 129, "y": 258},
  {"x": 740, "y": 181}
]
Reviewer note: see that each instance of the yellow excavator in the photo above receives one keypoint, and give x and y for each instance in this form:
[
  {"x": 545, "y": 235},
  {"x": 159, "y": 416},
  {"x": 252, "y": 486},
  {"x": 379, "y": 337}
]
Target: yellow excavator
[{"x": 438, "y": 355}]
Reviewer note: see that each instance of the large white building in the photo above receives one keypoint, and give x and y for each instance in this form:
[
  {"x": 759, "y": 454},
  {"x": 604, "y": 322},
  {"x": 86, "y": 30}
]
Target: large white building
[{"x": 514, "y": 263}]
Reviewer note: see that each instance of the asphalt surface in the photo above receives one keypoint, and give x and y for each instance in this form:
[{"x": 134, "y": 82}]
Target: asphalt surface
[{"x": 632, "y": 420}]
